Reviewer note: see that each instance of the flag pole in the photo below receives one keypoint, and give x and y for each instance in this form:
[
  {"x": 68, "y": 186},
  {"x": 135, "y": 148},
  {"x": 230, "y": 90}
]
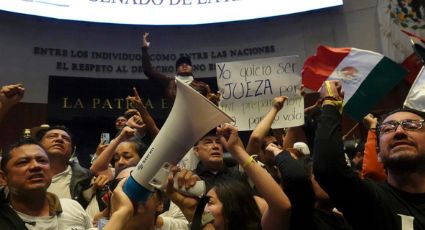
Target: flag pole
[{"x": 351, "y": 130}]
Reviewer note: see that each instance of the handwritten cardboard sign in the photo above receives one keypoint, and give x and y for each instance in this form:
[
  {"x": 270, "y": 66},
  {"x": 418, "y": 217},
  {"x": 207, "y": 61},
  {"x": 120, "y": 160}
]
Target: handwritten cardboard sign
[{"x": 248, "y": 88}]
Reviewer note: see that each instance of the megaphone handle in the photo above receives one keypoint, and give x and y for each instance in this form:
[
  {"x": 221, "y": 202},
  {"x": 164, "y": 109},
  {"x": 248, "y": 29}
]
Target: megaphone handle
[
  {"x": 198, "y": 189},
  {"x": 159, "y": 181}
]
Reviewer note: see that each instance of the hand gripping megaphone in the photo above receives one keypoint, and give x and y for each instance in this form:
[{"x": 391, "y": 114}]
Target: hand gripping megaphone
[{"x": 191, "y": 117}]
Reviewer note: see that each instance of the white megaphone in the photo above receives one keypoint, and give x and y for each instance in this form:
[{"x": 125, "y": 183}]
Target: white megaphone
[{"x": 191, "y": 117}]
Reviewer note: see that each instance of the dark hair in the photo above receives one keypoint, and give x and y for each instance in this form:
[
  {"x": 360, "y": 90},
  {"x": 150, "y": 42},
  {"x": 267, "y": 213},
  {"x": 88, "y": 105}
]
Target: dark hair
[
  {"x": 129, "y": 113},
  {"x": 42, "y": 132},
  {"x": 139, "y": 146},
  {"x": 405, "y": 109},
  {"x": 240, "y": 211},
  {"x": 183, "y": 60},
  {"x": 383, "y": 117},
  {"x": 21, "y": 142}
]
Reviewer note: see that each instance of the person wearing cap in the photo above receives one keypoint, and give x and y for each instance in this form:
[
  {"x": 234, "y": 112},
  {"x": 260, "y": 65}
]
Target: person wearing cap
[
  {"x": 184, "y": 72},
  {"x": 397, "y": 203}
]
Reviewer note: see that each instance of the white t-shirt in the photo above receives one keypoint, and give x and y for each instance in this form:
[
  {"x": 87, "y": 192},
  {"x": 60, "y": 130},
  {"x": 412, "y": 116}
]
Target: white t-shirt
[
  {"x": 60, "y": 184},
  {"x": 174, "y": 219},
  {"x": 72, "y": 217}
]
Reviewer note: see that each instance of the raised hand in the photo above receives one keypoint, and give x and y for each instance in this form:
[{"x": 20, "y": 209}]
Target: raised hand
[
  {"x": 11, "y": 95},
  {"x": 186, "y": 179},
  {"x": 136, "y": 122},
  {"x": 136, "y": 101},
  {"x": 370, "y": 122},
  {"x": 229, "y": 138},
  {"x": 332, "y": 88},
  {"x": 126, "y": 133},
  {"x": 278, "y": 102},
  {"x": 101, "y": 146},
  {"x": 145, "y": 40}
]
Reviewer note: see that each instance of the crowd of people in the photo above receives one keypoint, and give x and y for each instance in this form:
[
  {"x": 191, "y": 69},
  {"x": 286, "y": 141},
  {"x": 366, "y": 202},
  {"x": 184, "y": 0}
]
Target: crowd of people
[{"x": 299, "y": 180}]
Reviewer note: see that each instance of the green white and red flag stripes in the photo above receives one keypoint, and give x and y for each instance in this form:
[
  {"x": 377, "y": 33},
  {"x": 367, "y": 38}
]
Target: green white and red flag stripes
[{"x": 366, "y": 76}]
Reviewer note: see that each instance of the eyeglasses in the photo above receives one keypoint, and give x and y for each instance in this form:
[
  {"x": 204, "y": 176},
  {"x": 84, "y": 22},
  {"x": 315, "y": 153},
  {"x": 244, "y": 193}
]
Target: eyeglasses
[{"x": 407, "y": 124}]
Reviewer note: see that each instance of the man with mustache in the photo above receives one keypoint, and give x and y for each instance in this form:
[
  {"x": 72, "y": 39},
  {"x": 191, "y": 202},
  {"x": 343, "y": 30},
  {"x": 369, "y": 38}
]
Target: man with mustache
[
  {"x": 399, "y": 203},
  {"x": 26, "y": 170},
  {"x": 211, "y": 164},
  {"x": 69, "y": 180}
]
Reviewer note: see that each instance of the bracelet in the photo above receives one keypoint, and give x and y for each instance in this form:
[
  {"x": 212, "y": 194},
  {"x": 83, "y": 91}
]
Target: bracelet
[
  {"x": 328, "y": 88},
  {"x": 249, "y": 161},
  {"x": 330, "y": 98},
  {"x": 337, "y": 104}
]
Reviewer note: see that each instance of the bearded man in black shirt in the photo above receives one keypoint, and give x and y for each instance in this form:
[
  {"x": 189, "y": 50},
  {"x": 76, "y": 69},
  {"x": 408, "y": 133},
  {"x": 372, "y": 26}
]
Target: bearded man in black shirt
[{"x": 399, "y": 203}]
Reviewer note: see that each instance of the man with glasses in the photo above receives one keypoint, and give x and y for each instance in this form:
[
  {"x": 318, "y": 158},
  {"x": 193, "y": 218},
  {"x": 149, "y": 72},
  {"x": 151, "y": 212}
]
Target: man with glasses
[{"x": 399, "y": 203}]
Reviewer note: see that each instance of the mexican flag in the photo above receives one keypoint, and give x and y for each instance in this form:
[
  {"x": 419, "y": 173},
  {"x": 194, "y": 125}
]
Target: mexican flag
[
  {"x": 366, "y": 76},
  {"x": 416, "y": 97}
]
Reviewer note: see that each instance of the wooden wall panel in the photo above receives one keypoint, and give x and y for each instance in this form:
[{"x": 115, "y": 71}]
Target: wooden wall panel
[{"x": 20, "y": 117}]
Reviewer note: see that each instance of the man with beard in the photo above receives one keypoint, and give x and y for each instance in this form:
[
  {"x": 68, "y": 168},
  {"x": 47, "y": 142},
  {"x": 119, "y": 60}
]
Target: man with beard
[
  {"x": 399, "y": 203},
  {"x": 184, "y": 72}
]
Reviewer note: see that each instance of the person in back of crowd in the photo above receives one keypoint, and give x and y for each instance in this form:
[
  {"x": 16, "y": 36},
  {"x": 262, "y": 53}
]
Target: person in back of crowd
[
  {"x": 26, "y": 170},
  {"x": 138, "y": 119},
  {"x": 138, "y": 124},
  {"x": 356, "y": 160},
  {"x": 122, "y": 149},
  {"x": 396, "y": 204},
  {"x": 141, "y": 118},
  {"x": 184, "y": 72},
  {"x": 119, "y": 124},
  {"x": 259, "y": 140},
  {"x": 311, "y": 207},
  {"x": 70, "y": 180}
]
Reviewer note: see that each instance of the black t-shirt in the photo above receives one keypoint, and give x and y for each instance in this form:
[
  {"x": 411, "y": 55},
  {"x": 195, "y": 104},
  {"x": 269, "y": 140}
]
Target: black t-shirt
[{"x": 366, "y": 204}]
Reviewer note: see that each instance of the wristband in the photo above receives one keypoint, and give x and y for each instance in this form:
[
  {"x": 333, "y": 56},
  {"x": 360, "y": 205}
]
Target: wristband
[
  {"x": 249, "y": 161},
  {"x": 330, "y": 98},
  {"x": 328, "y": 88},
  {"x": 336, "y": 103}
]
